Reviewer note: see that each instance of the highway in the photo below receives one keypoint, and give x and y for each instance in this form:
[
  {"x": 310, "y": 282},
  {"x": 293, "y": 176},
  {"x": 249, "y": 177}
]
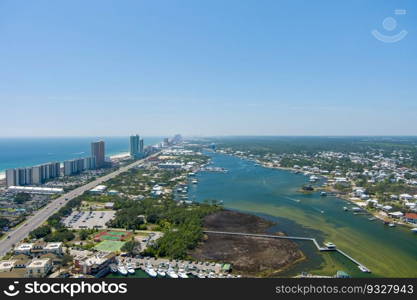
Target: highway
[{"x": 18, "y": 234}]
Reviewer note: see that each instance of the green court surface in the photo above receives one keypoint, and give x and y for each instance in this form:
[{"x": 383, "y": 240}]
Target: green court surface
[
  {"x": 109, "y": 237},
  {"x": 109, "y": 246}
]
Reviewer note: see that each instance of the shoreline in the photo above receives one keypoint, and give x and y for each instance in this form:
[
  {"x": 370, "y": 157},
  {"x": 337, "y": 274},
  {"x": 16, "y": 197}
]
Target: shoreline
[
  {"x": 338, "y": 193},
  {"x": 118, "y": 155}
]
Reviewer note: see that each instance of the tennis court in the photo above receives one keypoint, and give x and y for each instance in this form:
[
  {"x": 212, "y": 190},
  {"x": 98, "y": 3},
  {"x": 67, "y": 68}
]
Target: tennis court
[
  {"x": 116, "y": 232},
  {"x": 109, "y": 246},
  {"x": 112, "y": 236}
]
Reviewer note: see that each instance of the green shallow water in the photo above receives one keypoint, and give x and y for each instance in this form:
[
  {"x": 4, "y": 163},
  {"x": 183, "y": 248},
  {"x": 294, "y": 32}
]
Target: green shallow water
[{"x": 271, "y": 193}]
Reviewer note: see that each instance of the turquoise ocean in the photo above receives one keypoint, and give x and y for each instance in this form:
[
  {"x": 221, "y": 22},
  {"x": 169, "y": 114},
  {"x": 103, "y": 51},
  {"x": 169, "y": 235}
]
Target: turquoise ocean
[{"x": 26, "y": 152}]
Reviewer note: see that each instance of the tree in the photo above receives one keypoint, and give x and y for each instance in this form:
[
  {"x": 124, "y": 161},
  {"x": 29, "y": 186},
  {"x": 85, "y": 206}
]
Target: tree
[
  {"x": 131, "y": 247},
  {"x": 83, "y": 235},
  {"x": 40, "y": 232},
  {"x": 4, "y": 222},
  {"x": 21, "y": 198}
]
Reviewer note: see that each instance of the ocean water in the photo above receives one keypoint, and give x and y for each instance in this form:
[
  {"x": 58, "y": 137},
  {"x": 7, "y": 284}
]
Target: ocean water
[
  {"x": 273, "y": 194},
  {"x": 26, "y": 152}
]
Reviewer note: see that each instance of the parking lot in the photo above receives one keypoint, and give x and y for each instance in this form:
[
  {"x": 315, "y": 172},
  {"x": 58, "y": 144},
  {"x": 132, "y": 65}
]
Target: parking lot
[{"x": 88, "y": 219}]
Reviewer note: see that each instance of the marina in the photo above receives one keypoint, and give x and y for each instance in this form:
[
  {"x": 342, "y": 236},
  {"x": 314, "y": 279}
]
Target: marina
[{"x": 147, "y": 267}]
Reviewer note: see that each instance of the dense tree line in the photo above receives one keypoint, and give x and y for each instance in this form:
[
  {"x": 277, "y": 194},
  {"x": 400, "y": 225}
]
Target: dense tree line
[{"x": 182, "y": 225}]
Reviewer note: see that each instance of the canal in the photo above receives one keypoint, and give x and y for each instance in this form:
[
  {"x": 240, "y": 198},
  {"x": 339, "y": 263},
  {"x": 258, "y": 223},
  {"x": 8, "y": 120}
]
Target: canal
[{"x": 273, "y": 194}]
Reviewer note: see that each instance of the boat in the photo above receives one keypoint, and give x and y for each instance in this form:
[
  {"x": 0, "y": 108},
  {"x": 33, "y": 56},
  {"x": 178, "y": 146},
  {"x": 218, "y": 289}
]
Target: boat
[
  {"x": 130, "y": 269},
  {"x": 364, "y": 269},
  {"x": 161, "y": 273},
  {"x": 313, "y": 178},
  {"x": 172, "y": 274},
  {"x": 323, "y": 194},
  {"x": 345, "y": 208},
  {"x": 122, "y": 270},
  {"x": 113, "y": 268},
  {"x": 391, "y": 225},
  {"x": 371, "y": 218},
  {"x": 200, "y": 275},
  {"x": 194, "y": 181},
  {"x": 330, "y": 245},
  {"x": 150, "y": 271},
  {"x": 414, "y": 230}
]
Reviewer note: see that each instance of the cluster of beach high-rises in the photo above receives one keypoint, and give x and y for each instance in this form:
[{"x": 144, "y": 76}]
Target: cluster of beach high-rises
[
  {"x": 136, "y": 147},
  {"x": 41, "y": 173}
]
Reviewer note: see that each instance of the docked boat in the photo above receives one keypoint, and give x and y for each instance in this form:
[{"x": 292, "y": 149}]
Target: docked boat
[
  {"x": 182, "y": 273},
  {"x": 130, "y": 269},
  {"x": 172, "y": 274},
  {"x": 194, "y": 181},
  {"x": 200, "y": 275},
  {"x": 313, "y": 178},
  {"x": 323, "y": 194},
  {"x": 161, "y": 273},
  {"x": 150, "y": 271},
  {"x": 330, "y": 245},
  {"x": 345, "y": 208},
  {"x": 113, "y": 268},
  {"x": 122, "y": 270},
  {"x": 414, "y": 230},
  {"x": 391, "y": 225},
  {"x": 364, "y": 269}
]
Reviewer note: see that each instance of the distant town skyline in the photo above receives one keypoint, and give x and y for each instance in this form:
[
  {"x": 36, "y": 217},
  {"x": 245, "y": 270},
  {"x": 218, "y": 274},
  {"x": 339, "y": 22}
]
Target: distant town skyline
[{"x": 207, "y": 68}]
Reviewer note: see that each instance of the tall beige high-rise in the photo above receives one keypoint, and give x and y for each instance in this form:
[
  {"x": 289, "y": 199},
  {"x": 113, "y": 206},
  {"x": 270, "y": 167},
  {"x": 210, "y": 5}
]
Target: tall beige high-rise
[{"x": 98, "y": 152}]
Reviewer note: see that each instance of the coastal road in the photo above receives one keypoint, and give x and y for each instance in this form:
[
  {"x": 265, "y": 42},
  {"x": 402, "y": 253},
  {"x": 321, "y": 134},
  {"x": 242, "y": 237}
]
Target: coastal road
[{"x": 18, "y": 234}]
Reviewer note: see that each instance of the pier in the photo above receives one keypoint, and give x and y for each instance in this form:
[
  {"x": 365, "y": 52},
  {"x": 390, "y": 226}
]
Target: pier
[{"x": 299, "y": 238}]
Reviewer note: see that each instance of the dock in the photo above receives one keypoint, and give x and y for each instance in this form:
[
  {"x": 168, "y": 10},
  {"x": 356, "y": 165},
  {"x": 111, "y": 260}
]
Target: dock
[{"x": 299, "y": 238}]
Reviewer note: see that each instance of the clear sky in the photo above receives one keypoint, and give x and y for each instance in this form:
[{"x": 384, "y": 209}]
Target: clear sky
[{"x": 227, "y": 67}]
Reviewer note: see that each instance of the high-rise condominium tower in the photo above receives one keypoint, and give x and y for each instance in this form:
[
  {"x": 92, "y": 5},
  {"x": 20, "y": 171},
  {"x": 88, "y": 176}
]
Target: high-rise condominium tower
[{"x": 98, "y": 152}]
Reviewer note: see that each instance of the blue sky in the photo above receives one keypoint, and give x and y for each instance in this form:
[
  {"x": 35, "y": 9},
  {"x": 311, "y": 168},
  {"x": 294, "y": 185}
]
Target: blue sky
[{"x": 282, "y": 67}]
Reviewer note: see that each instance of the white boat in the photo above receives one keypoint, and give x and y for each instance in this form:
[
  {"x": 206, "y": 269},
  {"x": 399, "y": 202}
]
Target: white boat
[
  {"x": 414, "y": 230},
  {"x": 391, "y": 225},
  {"x": 113, "y": 268},
  {"x": 161, "y": 273},
  {"x": 313, "y": 178},
  {"x": 182, "y": 274},
  {"x": 122, "y": 270},
  {"x": 195, "y": 181},
  {"x": 199, "y": 275},
  {"x": 364, "y": 269},
  {"x": 150, "y": 271},
  {"x": 131, "y": 269},
  {"x": 172, "y": 274},
  {"x": 345, "y": 208}
]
